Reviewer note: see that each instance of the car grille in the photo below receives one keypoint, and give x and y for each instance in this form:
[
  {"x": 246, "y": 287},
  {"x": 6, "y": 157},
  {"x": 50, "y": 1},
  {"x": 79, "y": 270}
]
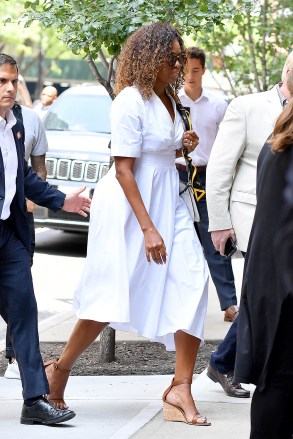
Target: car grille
[{"x": 75, "y": 170}]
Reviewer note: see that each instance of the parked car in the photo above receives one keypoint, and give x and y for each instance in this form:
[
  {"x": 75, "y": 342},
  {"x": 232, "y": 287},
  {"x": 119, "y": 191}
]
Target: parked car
[{"x": 78, "y": 131}]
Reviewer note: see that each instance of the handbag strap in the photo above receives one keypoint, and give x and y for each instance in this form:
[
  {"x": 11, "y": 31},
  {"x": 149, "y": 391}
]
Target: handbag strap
[{"x": 190, "y": 168}]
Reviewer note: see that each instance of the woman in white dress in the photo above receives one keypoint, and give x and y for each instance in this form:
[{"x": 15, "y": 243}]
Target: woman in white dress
[{"x": 145, "y": 269}]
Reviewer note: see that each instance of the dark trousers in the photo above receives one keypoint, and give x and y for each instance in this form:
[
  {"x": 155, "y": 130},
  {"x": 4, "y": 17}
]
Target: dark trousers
[
  {"x": 223, "y": 359},
  {"x": 272, "y": 412},
  {"x": 9, "y": 347},
  {"x": 19, "y": 310},
  {"x": 219, "y": 266}
]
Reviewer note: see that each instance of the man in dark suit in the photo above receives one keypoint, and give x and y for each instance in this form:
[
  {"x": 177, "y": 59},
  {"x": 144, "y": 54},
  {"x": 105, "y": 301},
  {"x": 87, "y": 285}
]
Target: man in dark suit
[{"x": 17, "y": 301}]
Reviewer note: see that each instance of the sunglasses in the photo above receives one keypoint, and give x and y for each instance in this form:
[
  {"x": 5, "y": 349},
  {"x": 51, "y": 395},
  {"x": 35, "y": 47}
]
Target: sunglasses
[{"x": 172, "y": 59}]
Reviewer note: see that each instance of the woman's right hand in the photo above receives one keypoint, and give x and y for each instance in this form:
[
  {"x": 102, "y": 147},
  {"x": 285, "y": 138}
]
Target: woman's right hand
[
  {"x": 154, "y": 247},
  {"x": 190, "y": 140}
]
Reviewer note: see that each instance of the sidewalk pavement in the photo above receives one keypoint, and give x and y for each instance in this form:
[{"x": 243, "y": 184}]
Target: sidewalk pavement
[{"x": 122, "y": 407}]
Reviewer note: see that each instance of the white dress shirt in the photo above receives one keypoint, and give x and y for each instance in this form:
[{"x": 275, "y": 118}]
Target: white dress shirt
[
  {"x": 9, "y": 155},
  {"x": 207, "y": 112}
]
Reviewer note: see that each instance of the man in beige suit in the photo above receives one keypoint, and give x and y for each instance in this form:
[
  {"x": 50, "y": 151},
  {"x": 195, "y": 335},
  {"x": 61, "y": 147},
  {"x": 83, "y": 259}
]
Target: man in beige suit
[
  {"x": 231, "y": 190},
  {"x": 231, "y": 172}
]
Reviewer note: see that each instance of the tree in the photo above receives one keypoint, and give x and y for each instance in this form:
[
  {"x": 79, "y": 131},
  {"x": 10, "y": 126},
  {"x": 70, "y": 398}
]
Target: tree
[
  {"x": 94, "y": 28},
  {"x": 26, "y": 42},
  {"x": 29, "y": 45},
  {"x": 252, "y": 50}
]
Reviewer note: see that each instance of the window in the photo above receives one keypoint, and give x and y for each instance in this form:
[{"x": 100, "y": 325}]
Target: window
[{"x": 82, "y": 113}]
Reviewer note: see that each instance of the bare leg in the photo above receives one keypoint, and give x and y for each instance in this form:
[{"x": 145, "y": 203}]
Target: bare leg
[
  {"x": 83, "y": 335},
  {"x": 186, "y": 353}
]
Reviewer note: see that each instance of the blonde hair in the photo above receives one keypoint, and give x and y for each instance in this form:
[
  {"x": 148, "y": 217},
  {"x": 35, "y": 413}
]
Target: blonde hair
[
  {"x": 283, "y": 132},
  {"x": 142, "y": 56}
]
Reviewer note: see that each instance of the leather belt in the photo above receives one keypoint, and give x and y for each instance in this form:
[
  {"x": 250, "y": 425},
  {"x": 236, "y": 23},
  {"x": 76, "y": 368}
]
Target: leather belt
[{"x": 183, "y": 168}]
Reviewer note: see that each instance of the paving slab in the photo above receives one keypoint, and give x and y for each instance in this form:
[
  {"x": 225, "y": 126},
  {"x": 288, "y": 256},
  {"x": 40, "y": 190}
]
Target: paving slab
[
  {"x": 122, "y": 407},
  {"x": 227, "y": 416},
  {"x": 228, "y": 421},
  {"x": 106, "y": 407}
]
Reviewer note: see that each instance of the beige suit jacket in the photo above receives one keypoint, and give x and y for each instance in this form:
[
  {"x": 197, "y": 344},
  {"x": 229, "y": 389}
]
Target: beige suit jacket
[{"x": 231, "y": 171}]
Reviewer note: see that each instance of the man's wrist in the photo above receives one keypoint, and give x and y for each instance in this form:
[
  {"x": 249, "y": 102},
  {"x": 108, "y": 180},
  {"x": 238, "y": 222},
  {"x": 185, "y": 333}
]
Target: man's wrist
[{"x": 62, "y": 204}]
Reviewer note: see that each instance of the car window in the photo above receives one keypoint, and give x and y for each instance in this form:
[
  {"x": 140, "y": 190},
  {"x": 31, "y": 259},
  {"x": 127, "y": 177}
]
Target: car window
[{"x": 80, "y": 113}]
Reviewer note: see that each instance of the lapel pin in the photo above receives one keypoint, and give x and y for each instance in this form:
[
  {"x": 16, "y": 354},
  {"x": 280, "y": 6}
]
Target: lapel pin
[{"x": 18, "y": 135}]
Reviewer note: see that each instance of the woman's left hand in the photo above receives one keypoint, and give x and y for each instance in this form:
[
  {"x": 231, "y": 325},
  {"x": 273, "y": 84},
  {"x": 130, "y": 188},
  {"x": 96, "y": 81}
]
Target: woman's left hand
[{"x": 190, "y": 140}]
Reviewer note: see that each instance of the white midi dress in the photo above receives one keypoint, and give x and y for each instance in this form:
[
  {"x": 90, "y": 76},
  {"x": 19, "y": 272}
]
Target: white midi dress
[{"x": 117, "y": 284}]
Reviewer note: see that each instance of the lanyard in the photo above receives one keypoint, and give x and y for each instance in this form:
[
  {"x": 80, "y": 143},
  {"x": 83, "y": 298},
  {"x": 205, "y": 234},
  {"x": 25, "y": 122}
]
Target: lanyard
[{"x": 190, "y": 168}]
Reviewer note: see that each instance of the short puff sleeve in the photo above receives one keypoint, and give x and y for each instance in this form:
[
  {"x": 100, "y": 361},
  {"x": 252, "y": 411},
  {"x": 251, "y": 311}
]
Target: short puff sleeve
[{"x": 127, "y": 115}]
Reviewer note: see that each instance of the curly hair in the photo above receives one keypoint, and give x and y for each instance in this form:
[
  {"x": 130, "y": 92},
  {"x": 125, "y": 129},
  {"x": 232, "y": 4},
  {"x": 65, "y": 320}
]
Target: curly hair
[
  {"x": 142, "y": 56},
  {"x": 283, "y": 132}
]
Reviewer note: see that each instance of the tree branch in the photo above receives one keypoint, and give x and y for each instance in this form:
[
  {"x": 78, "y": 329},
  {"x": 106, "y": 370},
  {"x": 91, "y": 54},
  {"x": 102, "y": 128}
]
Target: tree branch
[
  {"x": 99, "y": 77},
  {"x": 218, "y": 82},
  {"x": 103, "y": 59},
  {"x": 25, "y": 69},
  {"x": 111, "y": 71}
]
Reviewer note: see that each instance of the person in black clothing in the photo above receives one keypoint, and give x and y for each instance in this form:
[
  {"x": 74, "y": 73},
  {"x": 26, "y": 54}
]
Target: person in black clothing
[{"x": 265, "y": 328}]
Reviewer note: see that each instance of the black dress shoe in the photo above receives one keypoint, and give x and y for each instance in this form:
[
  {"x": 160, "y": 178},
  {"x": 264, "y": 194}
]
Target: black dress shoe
[
  {"x": 230, "y": 388},
  {"x": 43, "y": 412}
]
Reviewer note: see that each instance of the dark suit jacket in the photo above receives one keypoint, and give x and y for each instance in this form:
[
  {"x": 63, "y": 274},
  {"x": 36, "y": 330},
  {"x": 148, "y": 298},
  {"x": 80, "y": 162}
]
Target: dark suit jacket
[
  {"x": 285, "y": 238},
  {"x": 263, "y": 292},
  {"x": 28, "y": 185}
]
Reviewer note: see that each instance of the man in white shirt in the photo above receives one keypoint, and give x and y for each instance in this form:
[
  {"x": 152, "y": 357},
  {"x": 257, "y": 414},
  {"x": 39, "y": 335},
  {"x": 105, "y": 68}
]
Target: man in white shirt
[
  {"x": 18, "y": 305},
  {"x": 206, "y": 111},
  {"x": 48, "y": 96}
]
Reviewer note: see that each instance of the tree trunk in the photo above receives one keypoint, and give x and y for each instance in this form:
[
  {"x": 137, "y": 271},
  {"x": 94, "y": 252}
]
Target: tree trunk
[
  {"x": 40, "y": 82},
  {"x": 107, "y": 338},
  {"x": 107, "y": 345},
  {"x": 264, "y": 13},
  {"x": 251, "y": 47},
  {"x": 227, "y": 73}
]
